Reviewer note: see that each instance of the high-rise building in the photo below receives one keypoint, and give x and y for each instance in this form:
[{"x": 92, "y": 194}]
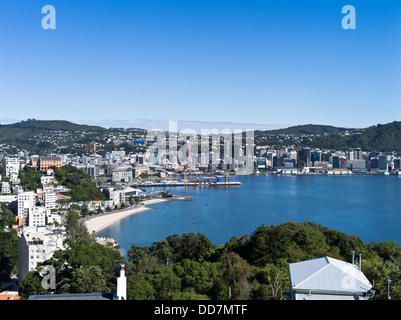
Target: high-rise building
[
  {"x": 11, "y": 165},
  {"x": 382, "y": 162},
  {"x": 37, "y": 244},
  {"x": 25, "y": 200},
  {"x": 50, "y": 199},
  {"x": 335, "y": 162},
  {"x": 358, "y": 155},
  {"x": 304, "y": 158},
  {"x": 315, "y": 157},
  {"x": 36, "y": 216},
  {"x": 397, "y": 163}
]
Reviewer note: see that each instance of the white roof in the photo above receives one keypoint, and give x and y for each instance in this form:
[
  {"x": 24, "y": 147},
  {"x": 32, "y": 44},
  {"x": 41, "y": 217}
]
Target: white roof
[{"x": 327, "y": 276}]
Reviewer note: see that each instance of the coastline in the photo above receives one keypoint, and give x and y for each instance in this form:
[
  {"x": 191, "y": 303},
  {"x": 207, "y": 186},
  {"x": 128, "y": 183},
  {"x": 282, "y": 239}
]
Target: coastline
[{"x": 101, "y": 222}]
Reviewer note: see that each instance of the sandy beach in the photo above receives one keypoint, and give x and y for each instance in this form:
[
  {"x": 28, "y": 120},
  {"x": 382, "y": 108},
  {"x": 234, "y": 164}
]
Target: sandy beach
[{"x": 98, "y": 223}]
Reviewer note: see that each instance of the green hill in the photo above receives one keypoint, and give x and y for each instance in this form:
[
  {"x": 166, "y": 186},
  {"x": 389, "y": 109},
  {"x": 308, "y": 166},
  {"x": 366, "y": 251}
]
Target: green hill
[
  {"x": 24, "y": 128},
  {"x": 39, "y": 136},
  {"x": 381, "y": 137},
  {"x": 81, "y": 186},
  {"x": 308, "y": 129}
]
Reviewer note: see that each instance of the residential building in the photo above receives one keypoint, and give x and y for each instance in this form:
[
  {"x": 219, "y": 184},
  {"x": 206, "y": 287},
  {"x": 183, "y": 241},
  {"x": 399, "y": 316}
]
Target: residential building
[
  {"x": 122, "y": 175},
  {"x": 25, "y": 200},
  {"x": 5, "y": 187},
  {"x": 50, "y": 198},
  {"x": 37, "y": 244},
  {"x": 11, "y": 165},
  {"x": 37, "y": 216},
  {"x": 47, "y": 179},
  {"x": 117, "y": 196}
]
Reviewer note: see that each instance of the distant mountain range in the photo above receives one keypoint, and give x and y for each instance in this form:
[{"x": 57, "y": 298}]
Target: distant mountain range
[{"x": 381, "y": 137}]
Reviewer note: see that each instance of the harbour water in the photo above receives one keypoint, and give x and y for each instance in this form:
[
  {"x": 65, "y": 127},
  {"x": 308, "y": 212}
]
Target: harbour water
[{"x": 368, "y": 206}]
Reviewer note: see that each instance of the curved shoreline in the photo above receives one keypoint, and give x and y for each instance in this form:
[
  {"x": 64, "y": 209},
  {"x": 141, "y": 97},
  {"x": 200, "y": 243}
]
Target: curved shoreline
[{"x": 101, "y": 222}]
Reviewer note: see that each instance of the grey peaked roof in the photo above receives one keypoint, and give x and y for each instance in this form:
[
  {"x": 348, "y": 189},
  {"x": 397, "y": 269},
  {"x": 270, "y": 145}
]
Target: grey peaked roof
[{"x": 327, "y": 278}]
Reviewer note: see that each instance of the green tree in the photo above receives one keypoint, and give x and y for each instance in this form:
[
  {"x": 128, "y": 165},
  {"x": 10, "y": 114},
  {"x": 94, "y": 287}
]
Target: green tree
[
  {"x": 165, "y": 282},
  {"x": 88, "y": 279},
  {"x": 237, "y": 273},
  {"x": 32, "y": 285},
  {"x": 189, "y": 295},
  {"x": 8, "y": 254},
  {"x": 76, "y": 229},
  {"x": 201, "y": 276},
  {"x": 380, "y": 271},
  {"x": 139, "y": 288}
]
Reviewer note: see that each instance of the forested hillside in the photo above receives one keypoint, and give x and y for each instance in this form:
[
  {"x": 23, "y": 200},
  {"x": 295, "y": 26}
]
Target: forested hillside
[
  {"x": 80, "y": 185},
  {"x": 381, "y": 137}
]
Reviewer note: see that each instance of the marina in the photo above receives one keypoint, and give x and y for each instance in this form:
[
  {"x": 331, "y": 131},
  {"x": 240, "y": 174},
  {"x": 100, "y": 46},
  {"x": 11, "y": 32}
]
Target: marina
[{"x": 211, "y": 181}]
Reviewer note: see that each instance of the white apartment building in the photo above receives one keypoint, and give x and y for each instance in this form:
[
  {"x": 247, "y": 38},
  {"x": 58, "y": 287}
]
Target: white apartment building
[
  {"x": 46, "y": 179},
  {"x": 14, "y": 178},
  {"x": 37, "y": 216},
  {"x": 25, "y": 201},
  {"x": 50, "y": 198},
  {"x": 41, "y": 216},
  {"x": 5, "y": 187},
  {"x": 117, "y": 196},
  {"x": 119, "y": 175},
  {"x": 37, "y": 244},
  {"x": 11, "y": 165},
  {"x": 118, "y": 155}
]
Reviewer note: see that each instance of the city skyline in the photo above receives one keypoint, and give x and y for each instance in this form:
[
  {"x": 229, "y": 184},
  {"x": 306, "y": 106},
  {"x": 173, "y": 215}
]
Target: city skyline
[{"x": 259, "y": 63}]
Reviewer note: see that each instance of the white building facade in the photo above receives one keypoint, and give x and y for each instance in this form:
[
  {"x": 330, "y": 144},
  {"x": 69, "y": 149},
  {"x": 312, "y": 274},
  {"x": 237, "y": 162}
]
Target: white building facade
[{"x": 37, "y": 244}]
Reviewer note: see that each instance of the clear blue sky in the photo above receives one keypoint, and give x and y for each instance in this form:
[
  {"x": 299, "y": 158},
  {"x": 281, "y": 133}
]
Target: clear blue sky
[{"x": 252, "y": 61}]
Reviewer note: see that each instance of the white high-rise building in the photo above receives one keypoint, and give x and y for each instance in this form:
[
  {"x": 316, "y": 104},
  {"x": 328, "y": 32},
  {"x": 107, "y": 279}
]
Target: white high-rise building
[
  {"x": 37, "y": 244},
  {"x": 25, "y": 201},
  {"x": 117, "y": 196},
  {"x": 11, "y": 165},
  {"x": 37, "y": 216},
  {"x": 50, "y": 200}
]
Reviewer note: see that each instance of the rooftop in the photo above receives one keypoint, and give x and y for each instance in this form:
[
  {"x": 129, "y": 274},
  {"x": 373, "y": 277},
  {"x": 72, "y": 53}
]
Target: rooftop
[{"x": 327, "y": 278}]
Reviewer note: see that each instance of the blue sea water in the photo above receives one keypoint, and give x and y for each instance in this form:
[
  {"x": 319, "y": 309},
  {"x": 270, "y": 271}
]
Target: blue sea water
[{"x": 368, "y": 206}]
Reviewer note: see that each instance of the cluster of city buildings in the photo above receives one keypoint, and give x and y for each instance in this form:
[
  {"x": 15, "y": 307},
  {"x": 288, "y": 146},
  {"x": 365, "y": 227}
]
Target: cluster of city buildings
[
  {"x": 315, "y": 161},
  {"x": 39, "y": 214}
]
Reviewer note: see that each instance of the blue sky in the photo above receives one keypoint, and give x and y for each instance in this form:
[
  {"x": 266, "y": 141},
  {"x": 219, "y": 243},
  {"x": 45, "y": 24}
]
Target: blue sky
[{"x": 242, "y": 61}]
